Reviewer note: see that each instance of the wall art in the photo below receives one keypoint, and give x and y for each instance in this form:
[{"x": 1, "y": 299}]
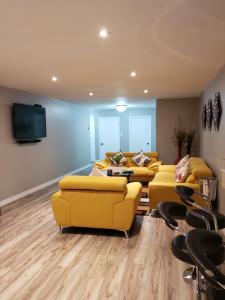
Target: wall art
[
  {"x": 217, "y": 111},
  {"x": 209, "y": 114}
]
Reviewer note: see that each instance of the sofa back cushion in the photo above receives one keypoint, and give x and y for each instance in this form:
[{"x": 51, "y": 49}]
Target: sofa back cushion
[
  {"x": 198, "y": 169},
  {"x": 94, "y": 183},
  {"x": 128, "y": 155}
]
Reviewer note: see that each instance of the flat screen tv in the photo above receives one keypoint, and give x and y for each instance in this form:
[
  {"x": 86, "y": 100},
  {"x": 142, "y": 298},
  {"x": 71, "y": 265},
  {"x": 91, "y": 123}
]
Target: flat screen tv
[{"x": 29, "y": 122}]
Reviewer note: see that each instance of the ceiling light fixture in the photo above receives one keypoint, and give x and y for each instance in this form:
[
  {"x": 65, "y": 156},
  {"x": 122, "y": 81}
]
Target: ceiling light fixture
[
  {"x": 146, "y": 91},
  {"x": 54, "y": 78},
  {"x": 121, "y": 107},
  {"x": 133, "y": 74},
  {"x": 91, "y": 94},
  {"x": 103, "y": 33}
]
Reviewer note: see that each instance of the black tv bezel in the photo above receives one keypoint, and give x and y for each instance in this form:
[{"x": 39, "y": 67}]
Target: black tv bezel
[{"x": 30, "y": 140}]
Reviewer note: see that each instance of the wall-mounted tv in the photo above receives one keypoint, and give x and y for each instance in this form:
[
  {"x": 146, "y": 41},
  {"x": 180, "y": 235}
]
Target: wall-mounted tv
[{"x": 29, "y": 123}]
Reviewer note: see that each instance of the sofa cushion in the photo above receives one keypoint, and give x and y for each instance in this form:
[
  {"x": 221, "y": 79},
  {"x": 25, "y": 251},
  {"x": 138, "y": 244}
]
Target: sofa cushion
[
  {"x": 142, "y": 171},
  {"x": 117, "y": 184},
  {"x": 199, "y": 168},
  {"x": 190, "y": 179},
  {"x": 183, "y": 162},
  {"x": 154, "y": 166},
  {"x": 118, "y": 159},
  {"x": 164, "y": 177},
  {"x": 96, "y": 172},
  {"x": 141, "y": 159},
  {"x": 182, "y": 173}
]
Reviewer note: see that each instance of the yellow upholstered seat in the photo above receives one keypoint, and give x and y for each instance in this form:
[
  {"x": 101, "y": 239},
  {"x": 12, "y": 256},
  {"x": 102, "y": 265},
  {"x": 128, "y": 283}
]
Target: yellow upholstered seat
[
  {"x": 144, "y": 174},
  {"x": 98, "y": 202},
  {"x": 162, "y": 187}
]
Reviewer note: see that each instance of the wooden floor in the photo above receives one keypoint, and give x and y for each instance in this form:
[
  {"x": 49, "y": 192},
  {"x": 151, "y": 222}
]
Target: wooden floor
[{"x": 37, "y": 262}]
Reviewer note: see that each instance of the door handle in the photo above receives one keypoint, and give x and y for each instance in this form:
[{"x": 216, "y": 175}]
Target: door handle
[
  {"x": 101, "y": 144},
  {"x": 148, "y": 143}
]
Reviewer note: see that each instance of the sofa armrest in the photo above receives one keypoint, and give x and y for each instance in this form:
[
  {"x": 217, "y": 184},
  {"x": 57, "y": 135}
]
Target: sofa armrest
[
  {"x": 167, "y": 168},
  {"x": 61, "y": 209},
  {"x": 159, "y": 191},
  {"x": 124, "y": 211},
  {"x": 102, "y": 164},
  {"x": 155, "y": 166}
]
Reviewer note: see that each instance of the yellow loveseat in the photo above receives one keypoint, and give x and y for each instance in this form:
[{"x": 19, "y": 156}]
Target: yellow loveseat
[
  {"x": 162, "y": 187},
  {"x": 141, "y": 174},
  {"x": 97, "y": 202}
]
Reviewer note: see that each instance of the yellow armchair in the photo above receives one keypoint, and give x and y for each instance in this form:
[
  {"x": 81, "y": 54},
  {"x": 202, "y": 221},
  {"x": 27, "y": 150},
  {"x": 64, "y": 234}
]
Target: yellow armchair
[{"x": 97, "y": 202}]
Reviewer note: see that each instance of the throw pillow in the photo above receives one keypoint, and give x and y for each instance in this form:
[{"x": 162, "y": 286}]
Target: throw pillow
[
  {"x": 96, "y": 172},
  {"x": 118, "y": 159},
  {"x": 182, "y": 173},
  {"x": 140, "y": 159},
  {"x": 183, "y": 161}
]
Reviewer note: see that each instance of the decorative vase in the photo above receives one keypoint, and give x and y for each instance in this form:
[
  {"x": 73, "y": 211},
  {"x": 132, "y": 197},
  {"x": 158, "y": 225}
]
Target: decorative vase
[
  {"x": 179, "y": 153},
  {"x": 188, "y": 148}
]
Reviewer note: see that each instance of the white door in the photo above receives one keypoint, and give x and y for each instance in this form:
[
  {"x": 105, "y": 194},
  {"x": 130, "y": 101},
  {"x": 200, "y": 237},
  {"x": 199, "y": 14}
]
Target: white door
[
  {"x": 140, "y": 133},
  {"x": 109, "y": 135}
]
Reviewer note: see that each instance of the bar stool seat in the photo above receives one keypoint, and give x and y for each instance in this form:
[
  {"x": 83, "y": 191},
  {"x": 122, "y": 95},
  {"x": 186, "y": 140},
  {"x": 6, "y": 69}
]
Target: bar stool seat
[
  {"x": 195, "y": 222},
  {"x": 179, "y": 249}
]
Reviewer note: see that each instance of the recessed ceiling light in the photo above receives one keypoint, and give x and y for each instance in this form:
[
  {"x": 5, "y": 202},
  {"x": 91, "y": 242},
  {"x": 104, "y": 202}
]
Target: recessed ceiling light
[
  {"x": 91, "y": 94},
  {"x": 146, "y": 91},
  {"x": 103, "y": 33},
  {"x": 54, "y": 78},
  {"x": 133, "y": 74}
]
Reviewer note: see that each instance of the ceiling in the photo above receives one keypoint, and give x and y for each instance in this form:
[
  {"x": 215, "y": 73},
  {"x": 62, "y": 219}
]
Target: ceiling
[{"x": 175, "y": 46}]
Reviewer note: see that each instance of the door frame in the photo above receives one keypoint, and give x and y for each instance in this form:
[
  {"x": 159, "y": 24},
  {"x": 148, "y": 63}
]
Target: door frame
[
  {"x": 99, "y": 131},
  {"x": 145, "y": 116}
]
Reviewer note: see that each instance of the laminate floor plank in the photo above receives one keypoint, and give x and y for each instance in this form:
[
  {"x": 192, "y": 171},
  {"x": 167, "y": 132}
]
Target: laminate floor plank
[{"x": 37, "y": 262}]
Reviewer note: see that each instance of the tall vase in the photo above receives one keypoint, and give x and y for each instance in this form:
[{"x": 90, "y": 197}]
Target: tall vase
[{"x": 179, "y": 153}]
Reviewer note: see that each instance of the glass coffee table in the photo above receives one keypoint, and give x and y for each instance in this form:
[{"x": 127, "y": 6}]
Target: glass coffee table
[{"x": 124, "y": 173}]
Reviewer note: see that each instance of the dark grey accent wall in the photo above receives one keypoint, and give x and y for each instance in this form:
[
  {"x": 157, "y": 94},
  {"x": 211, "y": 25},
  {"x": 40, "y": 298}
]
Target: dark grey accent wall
[
  {"x": 212, "y": 145},
  {"x": 66, "y": 148},
  {"x": 168, "y": 111}
]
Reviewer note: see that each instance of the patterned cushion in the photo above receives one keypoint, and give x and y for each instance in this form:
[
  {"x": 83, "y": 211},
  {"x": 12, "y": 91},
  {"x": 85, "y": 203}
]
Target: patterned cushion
[
  {"x": 183, "y": 161},
  {"x": 140, "y": 159},
  {"x": 182, "y": 173},
  {"x": 96, "y": 172},
  {"x": 118, "y": 159}
]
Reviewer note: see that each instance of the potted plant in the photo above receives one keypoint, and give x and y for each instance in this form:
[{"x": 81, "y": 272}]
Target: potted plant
[
  {"x": 178, "y": 138},
  {"x": 189, "y": 136}
]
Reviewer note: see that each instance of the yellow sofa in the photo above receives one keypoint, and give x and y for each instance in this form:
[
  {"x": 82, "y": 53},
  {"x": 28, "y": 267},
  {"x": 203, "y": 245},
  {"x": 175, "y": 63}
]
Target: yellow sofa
[
  {"x": 162, "y": 187},
  {"x": 97, "y": 202},
  {"x": 141, "y": 174}
]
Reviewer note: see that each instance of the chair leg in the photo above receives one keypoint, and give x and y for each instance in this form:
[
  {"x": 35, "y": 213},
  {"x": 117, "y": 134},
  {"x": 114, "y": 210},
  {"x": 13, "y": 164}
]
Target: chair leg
[
  {"x": 60, "y": 229},
  {"x": 198, "y": 285},
  {"x": 189, "y": 275},
  {"x": 126, "y": 234}
]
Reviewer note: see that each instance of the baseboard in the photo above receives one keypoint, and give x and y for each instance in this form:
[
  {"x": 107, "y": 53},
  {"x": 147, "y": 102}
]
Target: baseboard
[{"x": 39, "y": 187}]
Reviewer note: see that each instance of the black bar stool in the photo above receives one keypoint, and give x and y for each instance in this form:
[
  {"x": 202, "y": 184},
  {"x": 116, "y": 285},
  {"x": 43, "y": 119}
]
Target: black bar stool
[
  {"x": 169, "y": 211},
  {"x": 210, "y": 219},
  {"x": 207, "y": 251}
]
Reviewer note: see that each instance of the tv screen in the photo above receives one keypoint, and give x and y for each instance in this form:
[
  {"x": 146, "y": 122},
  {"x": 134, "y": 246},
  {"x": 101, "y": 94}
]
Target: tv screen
[{"x": 29, "y": 122}]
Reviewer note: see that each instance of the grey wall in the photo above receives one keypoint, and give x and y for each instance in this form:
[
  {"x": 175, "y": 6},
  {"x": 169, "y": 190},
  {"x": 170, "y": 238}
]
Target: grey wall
[
  {"x": 66, "y": 148},
  {"x": 124, "y": 125},
  {"x": 212, "y": 145},
  {"x": 168, "y": 110}
]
